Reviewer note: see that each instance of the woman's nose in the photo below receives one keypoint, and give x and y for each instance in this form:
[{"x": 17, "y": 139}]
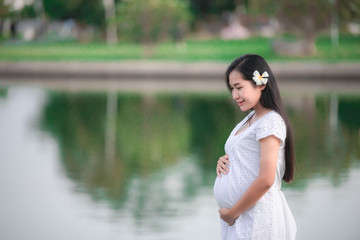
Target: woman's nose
[{"x": 234, "y": 95}]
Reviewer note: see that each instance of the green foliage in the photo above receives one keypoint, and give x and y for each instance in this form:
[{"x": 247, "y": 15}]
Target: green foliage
[
  {"x": 211, "y": 119},
  {"x": 28, "y": 12},
  {"x": 3, "y": 92},
  {"x": 201, "y": 8},
  {"x": 347, "y": 11},
  {"x": 151, "y": 133},
  {"x": 82, "y": 11},
  {"x": 320, "y": 149},
  {"x": 4, "y": 10},
  {"x": 306, "y": 17},
  {"x": 349, "y": 111},
  {"x": 152, "y": 20}
]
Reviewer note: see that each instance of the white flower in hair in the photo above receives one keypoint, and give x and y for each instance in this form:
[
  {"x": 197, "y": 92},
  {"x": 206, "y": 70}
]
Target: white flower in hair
[{"x": 260, "y": 79}]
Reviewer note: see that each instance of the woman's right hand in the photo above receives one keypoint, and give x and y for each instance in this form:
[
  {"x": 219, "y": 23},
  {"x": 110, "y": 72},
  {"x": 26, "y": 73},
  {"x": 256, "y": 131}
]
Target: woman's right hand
[{"x": 221, "y": 165}]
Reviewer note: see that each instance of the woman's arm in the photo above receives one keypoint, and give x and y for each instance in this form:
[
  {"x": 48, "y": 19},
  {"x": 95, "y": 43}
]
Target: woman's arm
[{"x": 269, "y": 150}]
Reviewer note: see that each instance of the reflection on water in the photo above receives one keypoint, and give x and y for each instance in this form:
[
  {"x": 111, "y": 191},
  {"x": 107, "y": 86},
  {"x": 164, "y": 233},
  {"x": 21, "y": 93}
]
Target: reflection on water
[{"x": 109, "y": 165}]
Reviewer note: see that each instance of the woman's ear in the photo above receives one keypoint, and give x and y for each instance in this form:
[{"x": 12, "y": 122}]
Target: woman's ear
[{"x": 262, "y": 87}]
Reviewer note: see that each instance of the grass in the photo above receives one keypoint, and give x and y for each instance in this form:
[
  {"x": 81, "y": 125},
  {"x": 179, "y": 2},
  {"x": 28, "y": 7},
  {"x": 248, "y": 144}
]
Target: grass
[{"x": 216, "y": 50}]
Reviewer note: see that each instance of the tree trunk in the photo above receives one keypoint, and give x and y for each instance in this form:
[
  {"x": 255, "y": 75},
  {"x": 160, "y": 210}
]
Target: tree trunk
[
  {"x": 309, "y": 45},
  {"x": 110, "y": 14}
]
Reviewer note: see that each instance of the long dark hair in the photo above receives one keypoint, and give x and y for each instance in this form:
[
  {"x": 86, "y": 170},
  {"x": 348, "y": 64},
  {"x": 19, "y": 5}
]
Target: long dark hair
[{"x": 270, "y": 98}]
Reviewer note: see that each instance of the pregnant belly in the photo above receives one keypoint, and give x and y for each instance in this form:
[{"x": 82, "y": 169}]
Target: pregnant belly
[
  {"x": 228, "y": 189},
  {"x": 224, "y": 192}
]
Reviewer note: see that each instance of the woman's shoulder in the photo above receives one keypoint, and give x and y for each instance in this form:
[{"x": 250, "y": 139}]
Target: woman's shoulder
[
  {"x": 272, "y": 120},
  {"x": 275, "y": 116},
  {"x": 272, "y": 124}
]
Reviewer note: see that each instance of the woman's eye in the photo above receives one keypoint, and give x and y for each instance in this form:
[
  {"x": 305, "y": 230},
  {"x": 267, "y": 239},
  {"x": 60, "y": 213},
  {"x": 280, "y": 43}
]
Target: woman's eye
[{"x": 239, "y": 88}]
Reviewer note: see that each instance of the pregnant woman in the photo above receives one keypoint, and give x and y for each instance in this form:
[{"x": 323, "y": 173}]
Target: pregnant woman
[{"x": 259, "y": 154}]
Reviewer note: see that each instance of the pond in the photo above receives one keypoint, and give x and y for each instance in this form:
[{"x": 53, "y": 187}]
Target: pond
[{"x": 121, "y": 165}]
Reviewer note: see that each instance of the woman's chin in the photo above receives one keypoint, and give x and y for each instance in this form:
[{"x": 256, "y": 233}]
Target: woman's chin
[{"x": 244, "y": 109}]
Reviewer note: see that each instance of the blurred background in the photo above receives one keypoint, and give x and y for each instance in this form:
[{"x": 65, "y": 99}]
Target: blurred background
[{"x": 113, "y": 113}]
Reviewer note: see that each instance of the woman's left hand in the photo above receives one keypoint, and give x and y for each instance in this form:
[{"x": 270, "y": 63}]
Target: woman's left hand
[{"x": 225, "y": 215}]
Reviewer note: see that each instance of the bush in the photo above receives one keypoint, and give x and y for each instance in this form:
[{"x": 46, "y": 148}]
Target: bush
[{"x": 153, "y": 20}]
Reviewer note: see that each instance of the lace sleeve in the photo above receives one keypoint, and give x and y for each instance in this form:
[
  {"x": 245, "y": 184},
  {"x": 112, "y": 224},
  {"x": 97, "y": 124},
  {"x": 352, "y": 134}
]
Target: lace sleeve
[{"x": 273, "y": 124}]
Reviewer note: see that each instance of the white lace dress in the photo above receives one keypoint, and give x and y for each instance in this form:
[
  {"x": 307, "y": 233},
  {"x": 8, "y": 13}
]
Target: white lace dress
[{"x": 270, "y": 217}]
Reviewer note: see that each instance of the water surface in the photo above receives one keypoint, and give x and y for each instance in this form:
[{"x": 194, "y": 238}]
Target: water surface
[{"x": 118, "y": 165}]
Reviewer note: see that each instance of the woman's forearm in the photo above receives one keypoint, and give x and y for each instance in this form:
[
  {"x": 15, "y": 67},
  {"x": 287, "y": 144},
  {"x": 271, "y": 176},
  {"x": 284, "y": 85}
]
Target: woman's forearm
[{"x": 256, "y": 190}]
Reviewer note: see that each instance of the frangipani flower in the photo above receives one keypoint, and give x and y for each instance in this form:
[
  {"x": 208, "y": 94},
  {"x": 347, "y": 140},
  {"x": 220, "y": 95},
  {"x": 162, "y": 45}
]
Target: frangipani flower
[{"x": 260, "y": 79}]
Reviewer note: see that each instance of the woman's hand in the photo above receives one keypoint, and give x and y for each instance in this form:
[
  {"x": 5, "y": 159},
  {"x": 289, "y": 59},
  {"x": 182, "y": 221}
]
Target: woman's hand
[
  {"x": 221, "y": 165},
  {"x": 226, "y": 216}
]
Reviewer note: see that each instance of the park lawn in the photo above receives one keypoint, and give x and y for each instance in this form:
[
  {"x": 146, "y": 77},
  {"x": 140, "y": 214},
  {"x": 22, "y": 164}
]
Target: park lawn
[{"x": 215, "y": 50}]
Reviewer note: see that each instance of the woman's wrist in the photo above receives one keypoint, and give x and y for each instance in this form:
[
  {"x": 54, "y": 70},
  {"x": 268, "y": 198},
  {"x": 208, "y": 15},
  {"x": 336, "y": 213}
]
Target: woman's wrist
[{"x": 233, "y": 213}]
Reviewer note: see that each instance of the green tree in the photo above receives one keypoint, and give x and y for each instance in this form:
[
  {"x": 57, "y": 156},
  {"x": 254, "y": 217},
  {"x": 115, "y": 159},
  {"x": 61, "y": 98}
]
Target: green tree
[
  {"x": 4, "y": 10},
  {"x": 308, "y": 18},
  {"x": 202, "y": 8},
  {"x": 28, "y": 11},
  {"x": 82, "y": 11},
  {"x": 152, "y": 20},
  {"x": 150, "y": 134},
  {"x": 347, "y": 11},
  {"x": 4, "y": 13},
  {"x": 211, "y": 119}
]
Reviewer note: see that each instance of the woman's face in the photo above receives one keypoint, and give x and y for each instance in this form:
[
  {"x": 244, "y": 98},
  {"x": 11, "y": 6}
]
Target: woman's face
[{"x": 246, "y": 94}]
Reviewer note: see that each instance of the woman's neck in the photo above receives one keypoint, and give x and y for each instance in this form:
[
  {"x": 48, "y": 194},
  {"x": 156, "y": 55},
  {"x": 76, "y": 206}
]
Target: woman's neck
[{"x": 260, "y": 111}]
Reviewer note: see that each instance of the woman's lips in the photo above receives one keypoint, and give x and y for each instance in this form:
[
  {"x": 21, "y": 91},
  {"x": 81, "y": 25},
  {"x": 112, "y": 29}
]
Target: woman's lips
[{"x": 240, "y": 103}]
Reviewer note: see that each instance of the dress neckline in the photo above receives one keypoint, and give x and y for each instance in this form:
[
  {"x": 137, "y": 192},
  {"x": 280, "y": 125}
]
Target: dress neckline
[{"x": 245, "y": 119}]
